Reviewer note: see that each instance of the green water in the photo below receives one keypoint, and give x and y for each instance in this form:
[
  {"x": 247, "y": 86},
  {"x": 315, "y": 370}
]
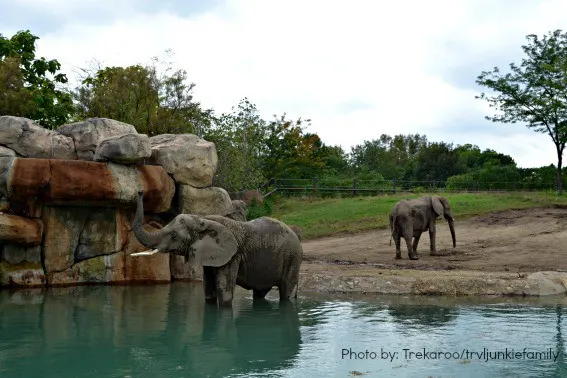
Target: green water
[{"x": 168, "y": 331}]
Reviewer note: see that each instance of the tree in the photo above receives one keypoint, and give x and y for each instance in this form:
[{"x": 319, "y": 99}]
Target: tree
[
  {"x": 535, "y": 92},
  {"x": 238, "y": 138},
  {"x": 391, "y": 157},
  {"x": 155, "y": 101},
  {"x": 15, "y": 98},
  {"x": 437, "y": 162},
  {"x": 289, "y": 152},
  {"x": 36, "y": 82}
]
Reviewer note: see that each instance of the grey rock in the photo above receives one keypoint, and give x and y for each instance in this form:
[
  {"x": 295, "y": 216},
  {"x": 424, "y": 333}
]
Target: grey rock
[
  {"x": 6, "y": 164},
  {"x": 204, "y": 201},
  {"x": 30, "y": 140},
  {"x": 88, "y": 134},
  {"x": 99, "y": 235},
  {"x": 7, "y": 152},
  {"x": 188, "y": 158},
  {"x": 127, "y": 148}
]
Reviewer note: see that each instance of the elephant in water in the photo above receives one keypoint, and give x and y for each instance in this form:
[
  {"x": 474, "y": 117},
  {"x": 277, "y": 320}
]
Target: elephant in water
[
  {"x": 256, "y": 255},
  {"x": 412, "y": 217}
]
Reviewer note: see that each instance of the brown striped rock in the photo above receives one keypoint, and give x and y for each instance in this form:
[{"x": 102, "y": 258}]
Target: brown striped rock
[
  {"x": 20, "y": 230},
  {"x": 85, "y": 183}
]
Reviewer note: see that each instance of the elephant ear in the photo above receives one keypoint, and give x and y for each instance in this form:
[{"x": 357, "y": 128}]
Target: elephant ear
[
  {"x": 437, "y": 205},
  {"x": 215, "y": 243}
]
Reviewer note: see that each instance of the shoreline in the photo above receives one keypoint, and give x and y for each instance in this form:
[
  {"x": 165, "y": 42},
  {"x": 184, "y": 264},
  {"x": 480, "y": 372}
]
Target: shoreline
[
  {"x": 327, "y": 278},
  {"x": 361, "y": 279}
]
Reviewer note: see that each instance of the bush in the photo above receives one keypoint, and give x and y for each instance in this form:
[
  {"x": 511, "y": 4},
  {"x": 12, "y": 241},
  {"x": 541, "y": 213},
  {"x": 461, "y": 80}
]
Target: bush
[{"x": 254, "y": 210}]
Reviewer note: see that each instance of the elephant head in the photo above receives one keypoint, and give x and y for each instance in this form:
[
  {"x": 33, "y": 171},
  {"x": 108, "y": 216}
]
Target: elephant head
[
  {"x": 442, "y": 208},
  {"x": 187, "y": 234}
]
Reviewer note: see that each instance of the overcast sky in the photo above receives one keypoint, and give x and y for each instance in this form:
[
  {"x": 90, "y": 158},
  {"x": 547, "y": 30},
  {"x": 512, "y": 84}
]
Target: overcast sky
[{"x": 357, "y": 69}]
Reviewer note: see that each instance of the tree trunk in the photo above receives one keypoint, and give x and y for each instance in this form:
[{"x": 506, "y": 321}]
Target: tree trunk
[{"x": 559, "y": 170}]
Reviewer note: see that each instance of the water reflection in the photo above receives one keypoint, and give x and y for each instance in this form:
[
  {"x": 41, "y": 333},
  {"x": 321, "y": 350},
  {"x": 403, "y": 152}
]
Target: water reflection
[
  {"x": 127, "y": 331},
  {"x": 169, "y": 331}
]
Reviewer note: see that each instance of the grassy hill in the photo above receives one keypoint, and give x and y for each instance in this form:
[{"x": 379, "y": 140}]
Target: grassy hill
[{"x": 324, "y": 217}]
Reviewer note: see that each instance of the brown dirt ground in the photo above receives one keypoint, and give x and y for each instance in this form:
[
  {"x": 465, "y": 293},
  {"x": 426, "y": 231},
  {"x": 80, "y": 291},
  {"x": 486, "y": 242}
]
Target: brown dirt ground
[{"x": 512, "y": 241}]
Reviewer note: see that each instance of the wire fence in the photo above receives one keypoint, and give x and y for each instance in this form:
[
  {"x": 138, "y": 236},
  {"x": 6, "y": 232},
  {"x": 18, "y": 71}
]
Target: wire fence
[{"x": 354, "y": 187}]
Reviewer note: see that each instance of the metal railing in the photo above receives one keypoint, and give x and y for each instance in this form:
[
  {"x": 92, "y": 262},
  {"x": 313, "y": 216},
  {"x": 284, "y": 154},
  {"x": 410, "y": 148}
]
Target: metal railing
[{"x": 322, "y": 187}]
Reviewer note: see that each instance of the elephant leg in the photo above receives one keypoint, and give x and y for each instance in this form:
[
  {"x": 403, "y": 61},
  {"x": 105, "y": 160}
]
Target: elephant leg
[
  {"x": 260, "y": 294},
  {"x": 226, "y": 281},
  {"x": 291, "y": 279},
  {"x": 408, "y": 235},
  {"x": 416, "y": 242},
  {"x": 210, "y": 284},
  {"x": 432, "y": 232},
  {"x": 411, "y": 253},
  {"x": 397, "y": 241}
]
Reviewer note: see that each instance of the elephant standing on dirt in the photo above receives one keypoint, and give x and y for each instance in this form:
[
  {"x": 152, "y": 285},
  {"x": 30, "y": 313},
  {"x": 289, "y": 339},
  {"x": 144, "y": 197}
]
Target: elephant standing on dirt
[
  {"x": 412, "y": 217},
  {"x": 256, "y": 255}
]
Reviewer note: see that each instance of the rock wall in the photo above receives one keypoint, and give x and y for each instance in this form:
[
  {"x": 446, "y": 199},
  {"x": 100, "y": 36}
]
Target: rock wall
[{"x": 68, "y": 197}]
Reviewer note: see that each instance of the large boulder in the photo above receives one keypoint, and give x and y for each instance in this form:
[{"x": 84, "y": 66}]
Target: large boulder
[
  {"x": 188, "y": 158},
  {"x": 29, "y": 140},
  {"x": 125, "y": 149},
  {"x": 63, "y": 229},
  {"x": 85, "y": 183},
  {"x": 7, "y": 152},
  {"x": 206, "y": 201},
  {"x": 20, "y": 230},
  {"x": 88, "y": 134}
]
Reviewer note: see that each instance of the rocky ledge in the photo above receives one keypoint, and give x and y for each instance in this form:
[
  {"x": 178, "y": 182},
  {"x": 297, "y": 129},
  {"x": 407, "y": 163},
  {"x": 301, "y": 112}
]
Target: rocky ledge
[
  {"x": 330, "y": 279},
  {"x": 68, "y": 196}
]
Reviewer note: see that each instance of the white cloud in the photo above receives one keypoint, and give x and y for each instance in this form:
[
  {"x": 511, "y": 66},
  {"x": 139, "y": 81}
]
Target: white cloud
[{"x": 309, "y": 58}]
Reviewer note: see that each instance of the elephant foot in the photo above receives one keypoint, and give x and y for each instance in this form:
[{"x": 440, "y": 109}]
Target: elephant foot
[
  {"x": 398, "y": 257},
  {"x": 414, "y": 257}
]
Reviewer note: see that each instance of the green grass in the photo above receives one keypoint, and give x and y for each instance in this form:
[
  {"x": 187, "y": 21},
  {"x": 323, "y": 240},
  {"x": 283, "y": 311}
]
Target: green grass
[{"x": 324, "y": 217}]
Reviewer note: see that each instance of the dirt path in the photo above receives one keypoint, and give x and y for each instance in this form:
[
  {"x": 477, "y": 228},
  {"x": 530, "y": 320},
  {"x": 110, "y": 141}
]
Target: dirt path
[{"x": 527, "y": 240}]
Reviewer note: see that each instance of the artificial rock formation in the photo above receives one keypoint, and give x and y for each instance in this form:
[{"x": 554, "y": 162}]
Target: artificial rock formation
[{"x": 68, "y": 197}]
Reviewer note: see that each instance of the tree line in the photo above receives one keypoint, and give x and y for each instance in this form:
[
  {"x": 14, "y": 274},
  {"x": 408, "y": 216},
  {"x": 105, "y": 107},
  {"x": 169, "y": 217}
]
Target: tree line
[{"x": 157, "y": 98}]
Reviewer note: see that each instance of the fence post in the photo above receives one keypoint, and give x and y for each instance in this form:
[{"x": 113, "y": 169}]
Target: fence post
[
  {"x": 394, "y": 185},
  {"x": 315, "y": 186},
  {"x": 354, "y": 187}
]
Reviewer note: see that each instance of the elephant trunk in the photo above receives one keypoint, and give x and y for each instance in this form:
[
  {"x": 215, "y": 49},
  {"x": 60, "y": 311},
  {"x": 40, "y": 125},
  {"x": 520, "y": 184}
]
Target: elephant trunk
[
  {"x": 147, "y": 239},
  {"x": 451, "y": 221}
]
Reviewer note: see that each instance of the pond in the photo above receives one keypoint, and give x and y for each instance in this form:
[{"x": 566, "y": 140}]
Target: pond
[{"x": 168, "y": 331}]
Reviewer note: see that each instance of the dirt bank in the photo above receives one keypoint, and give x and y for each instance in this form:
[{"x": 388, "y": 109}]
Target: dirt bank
[{"x": 496, "y": 254}]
